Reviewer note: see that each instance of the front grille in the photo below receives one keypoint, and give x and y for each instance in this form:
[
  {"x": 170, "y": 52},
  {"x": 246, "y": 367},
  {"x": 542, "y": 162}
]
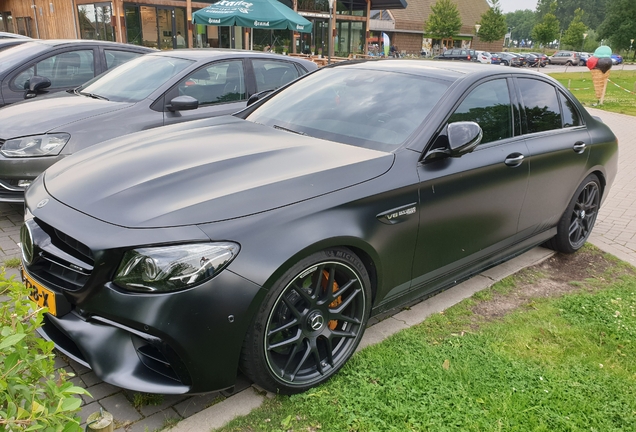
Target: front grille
[{"x": 61, "y": 261}]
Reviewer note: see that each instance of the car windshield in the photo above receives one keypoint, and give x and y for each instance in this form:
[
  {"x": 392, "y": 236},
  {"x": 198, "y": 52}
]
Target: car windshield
[
  {"x": 18, "y": 53},
  {"x": 135, "y": 80},
  {"x": 358, "y": 106}
]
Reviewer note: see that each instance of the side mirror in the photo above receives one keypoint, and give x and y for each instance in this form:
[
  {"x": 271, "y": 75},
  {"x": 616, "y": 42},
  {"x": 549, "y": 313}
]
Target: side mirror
[
  {"x": 463, "y": 137},
  {"x": 455, "y": 140},
  {"x": 256, "y": 96},
  {"x": 183, "y": 103},
  {"x": 35, "y": 85}
]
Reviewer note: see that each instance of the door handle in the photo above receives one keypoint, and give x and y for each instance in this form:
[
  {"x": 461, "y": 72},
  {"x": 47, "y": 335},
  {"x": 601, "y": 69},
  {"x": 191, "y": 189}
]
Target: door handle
[
  {"x": 514, "y": 160},
  {"x": 579, "y": 147}
]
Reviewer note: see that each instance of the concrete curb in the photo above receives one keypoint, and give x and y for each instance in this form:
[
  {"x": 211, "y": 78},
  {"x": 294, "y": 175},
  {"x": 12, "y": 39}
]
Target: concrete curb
[{"x": 244, "y": 402}]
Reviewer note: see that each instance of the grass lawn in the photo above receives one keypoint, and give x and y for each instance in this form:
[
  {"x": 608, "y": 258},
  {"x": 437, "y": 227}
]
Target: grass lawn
[
  {"x": 552, "y": 348},
  {"x": 616, "y": 99}
]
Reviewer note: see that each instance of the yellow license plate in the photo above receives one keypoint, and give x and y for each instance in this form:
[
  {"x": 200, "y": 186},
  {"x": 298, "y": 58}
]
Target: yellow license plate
[{"x": 44, "y": 297}]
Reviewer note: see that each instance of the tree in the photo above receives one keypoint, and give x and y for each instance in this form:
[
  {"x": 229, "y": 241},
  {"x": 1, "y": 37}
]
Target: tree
[
  {"x": 444, "y": 21},
  {"x": 619, "y": 25},
  {"x": 493, "y": 23},
  {"x": 573, "y": 36},
  {"x": 521, "y": 23},
  {"x": 547, "y": 30}
]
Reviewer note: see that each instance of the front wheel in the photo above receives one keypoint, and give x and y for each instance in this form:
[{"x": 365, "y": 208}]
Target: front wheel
[
  {"x": 309, "y": 324},
  {"x": 577, "y": 222}
]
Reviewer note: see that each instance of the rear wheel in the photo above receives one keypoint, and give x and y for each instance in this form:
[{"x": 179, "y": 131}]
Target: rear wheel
[
  {"x": 309, "y": 324},
  {"x": 568, "y": 63},
  {"x": 577, "y": 222}
]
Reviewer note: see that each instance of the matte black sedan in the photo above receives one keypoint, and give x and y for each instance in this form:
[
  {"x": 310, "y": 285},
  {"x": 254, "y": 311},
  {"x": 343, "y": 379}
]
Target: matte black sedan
[
  {"x": 48, "y": 66},
  {"x": 265, "y": 240},
  {"x": 150, "y": 91}
]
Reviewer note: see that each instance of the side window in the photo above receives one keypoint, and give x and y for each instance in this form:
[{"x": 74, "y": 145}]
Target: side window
[
  {"x": 489, "y": 106},
  {"x": 115, "y": 58},
  {"x": 271, "y": 74},
  {"x": 571, "y": 116},
  {"x": 65, "y": 70},
  {"x": 541, "y": 105},
  {"x": 216, "y": 83}
]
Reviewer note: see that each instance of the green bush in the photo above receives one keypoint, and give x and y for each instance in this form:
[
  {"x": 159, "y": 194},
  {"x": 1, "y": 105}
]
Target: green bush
[{"x": 32, "y": 395}]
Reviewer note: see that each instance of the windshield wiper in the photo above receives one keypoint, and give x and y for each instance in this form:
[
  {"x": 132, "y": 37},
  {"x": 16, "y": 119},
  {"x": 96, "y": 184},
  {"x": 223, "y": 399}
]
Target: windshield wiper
[
  {"x": 289, "y": 130},
  {"x": 93, "y": 95}
]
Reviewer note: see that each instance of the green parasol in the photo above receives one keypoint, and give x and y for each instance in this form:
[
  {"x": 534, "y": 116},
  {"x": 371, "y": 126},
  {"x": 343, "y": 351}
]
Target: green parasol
[{"x": 266, "y": 14}]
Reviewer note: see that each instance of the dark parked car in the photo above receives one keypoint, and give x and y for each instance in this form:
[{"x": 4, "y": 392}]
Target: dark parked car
[
  {"x": 458, "y": 54},
  {"x": 169, "y": 257},
  {"x": 154, "y": 90},
  {"x": 509, "y": 59},
  {"x": 7, "y": 35},
  {"x": 537, "y": 59},
  {"x": 617, "y": 59},
  {"x": 583, "y": 56},
  {"x": 47, "y": 66}
]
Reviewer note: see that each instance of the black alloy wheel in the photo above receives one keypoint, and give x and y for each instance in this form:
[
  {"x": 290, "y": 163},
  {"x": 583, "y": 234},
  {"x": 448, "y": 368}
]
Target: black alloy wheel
[
  {"x": 577, "y": 222},
  {"x": 310, "y": 323}
]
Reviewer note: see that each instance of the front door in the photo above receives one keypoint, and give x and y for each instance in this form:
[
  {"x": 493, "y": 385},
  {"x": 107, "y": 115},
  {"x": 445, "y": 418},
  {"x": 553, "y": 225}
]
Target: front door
[{"x": 470, "y": 205}]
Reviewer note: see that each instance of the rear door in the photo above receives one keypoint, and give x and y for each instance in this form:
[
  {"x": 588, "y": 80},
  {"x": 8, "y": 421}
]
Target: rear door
[{"x": 557, "y": 141}]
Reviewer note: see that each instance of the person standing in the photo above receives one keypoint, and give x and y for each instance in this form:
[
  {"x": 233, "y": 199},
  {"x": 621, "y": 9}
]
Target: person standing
[{"x": 180, "y": 41}]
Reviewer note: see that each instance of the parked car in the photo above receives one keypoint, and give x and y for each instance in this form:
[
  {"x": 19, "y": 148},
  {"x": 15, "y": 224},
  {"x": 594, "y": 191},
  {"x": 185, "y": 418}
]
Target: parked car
[
  {"x": 617, "y": 59},
  {"x": 537, "y": 59},
  {"x": 7, "y": 35},
  {"x": 483, "y": 57},
  {"x": 10, "y": 42},
  {"x": 154, "y": 90},
  {"x": 169, "y": 257},
  {"x": 495, "y": 58},
  {"x": 568, "y": 58},
  {"x": 458, "y": 54},
  {"x": 510, "y": 59},
  {"x": 47, "y": 66},
  {"x": 583, "y": 56}
]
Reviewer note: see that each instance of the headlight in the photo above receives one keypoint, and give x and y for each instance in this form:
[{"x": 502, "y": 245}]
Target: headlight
[
  {"x": 37, "y": 145},
  {"x": 172, "y": 268}
]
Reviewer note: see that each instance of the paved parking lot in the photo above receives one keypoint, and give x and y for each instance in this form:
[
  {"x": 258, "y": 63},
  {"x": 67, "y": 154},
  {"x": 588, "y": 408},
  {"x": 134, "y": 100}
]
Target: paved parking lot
[{"x": 615, "y": 232}]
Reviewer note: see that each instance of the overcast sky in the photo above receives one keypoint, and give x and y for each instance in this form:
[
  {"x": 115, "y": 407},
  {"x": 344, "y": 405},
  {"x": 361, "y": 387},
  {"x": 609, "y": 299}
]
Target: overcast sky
[{"x": 513, "y": 5}]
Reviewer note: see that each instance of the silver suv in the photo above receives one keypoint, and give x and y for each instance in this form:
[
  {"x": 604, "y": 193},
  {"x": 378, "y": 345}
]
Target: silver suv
[{"x": 568, "y": 58}]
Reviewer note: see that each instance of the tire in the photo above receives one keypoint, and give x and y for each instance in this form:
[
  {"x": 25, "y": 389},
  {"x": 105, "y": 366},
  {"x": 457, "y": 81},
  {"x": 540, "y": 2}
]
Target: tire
[
  {"x": 581, "y": 63},
  {"x": 303, "y": 332},
  {"x": 506, "y": 63},
  {"x": 577, "y": 222}
]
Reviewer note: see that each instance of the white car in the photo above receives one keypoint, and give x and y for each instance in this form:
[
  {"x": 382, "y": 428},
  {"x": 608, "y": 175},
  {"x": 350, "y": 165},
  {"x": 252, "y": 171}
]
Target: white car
[{"x": 483, "y": 57}]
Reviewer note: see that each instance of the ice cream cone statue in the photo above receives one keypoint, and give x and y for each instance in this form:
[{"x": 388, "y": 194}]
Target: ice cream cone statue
[{"x": 600, "y": 65}]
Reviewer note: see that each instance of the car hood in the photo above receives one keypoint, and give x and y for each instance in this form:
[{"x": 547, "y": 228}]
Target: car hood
[
  {"x": 45, "y": 114},
  {"x": 226, "y": 169}
]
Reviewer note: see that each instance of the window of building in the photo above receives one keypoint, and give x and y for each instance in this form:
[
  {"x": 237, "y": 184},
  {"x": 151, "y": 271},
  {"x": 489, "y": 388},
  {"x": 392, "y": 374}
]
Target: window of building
[
  {"x": 489, "y": 106},
  {"x": 23, "y": 25},
  {"x": 6, "y": 22},
  {"x": 541, "y": 105},
  {"x": 95, "y": 21}
]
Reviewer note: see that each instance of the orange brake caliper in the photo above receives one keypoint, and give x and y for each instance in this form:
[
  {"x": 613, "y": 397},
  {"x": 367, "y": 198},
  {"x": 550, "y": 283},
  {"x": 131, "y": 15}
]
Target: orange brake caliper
[{"x": 336, "y": 302}]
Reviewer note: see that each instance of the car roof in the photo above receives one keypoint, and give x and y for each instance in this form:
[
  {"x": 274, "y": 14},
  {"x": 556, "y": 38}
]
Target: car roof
[
  {"x": 5, "y": 35},
  {"x": 438, "y": 69},
  {"x": 69, "y": 42},
  {"x": 202, "y": 54}
]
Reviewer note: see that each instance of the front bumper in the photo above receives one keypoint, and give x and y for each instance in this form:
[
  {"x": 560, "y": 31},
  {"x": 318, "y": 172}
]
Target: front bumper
[
  {"x": 13, "y": 170},
  {"x": 173, "y": 343}
]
